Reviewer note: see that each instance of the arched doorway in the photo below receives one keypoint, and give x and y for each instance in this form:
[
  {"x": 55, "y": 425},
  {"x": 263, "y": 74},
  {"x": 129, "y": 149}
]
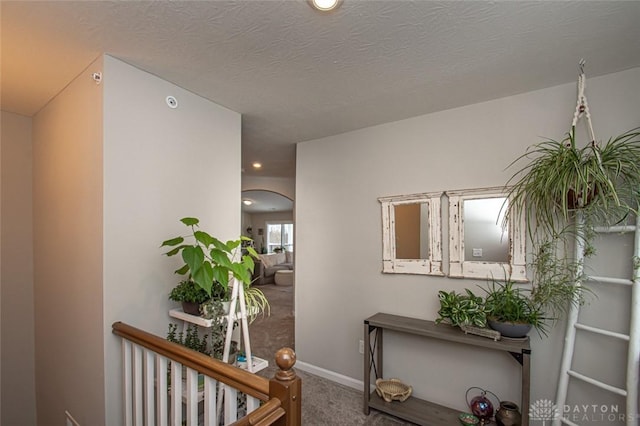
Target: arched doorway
[{"x": 267, "y": 218}]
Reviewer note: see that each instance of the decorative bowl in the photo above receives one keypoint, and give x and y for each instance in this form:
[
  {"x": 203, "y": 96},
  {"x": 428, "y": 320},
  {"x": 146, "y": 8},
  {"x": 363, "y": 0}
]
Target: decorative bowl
[
  {"x": 468, "y": 419},
  {"x": 393, "y": 389},
  {"x": 510, "y": 329}
]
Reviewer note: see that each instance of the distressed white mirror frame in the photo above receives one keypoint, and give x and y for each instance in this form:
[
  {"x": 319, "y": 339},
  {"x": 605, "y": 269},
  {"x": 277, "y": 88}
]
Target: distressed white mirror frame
[
  {"x": 432, "y": 265},
  {"x": 459, "y": 267}
]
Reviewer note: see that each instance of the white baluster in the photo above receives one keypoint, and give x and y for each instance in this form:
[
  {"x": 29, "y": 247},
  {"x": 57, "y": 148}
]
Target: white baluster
[
  {"x": 176, "y": 394},
  {"x": 210, "y": 415},
  {"x": 137, "y": 385},
  {"x": 192, "y": 397},
  {"x": 126, "y": 383},
  {"x": 161, "y": 390},
  {"x": 149, "y": 377}
]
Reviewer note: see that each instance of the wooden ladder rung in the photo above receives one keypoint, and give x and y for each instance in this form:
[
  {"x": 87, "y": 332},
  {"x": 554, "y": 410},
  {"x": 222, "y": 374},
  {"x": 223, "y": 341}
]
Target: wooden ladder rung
[
  {"x": 609, "y": 280},
  {"x": 615, "y": 229},
  {"x": 602, "y": 331},
  {"x": 597, "y": 383}
]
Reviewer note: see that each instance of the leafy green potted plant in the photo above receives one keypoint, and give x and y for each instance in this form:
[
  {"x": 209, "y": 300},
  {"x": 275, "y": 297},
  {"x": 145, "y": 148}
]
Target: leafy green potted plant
[
  {"x": 511, "y": 311},
  {"x": 190, "y": 295},
  {"x": 564, "y": 191},
  {"x": 209, "y": 261},
  {"x": 560, "y": 179},
  {"x": 461, "y": 309}
]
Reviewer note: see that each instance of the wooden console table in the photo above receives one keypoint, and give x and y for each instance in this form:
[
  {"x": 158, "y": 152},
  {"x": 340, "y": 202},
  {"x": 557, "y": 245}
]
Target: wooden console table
[{"x": 414, "y": 409}]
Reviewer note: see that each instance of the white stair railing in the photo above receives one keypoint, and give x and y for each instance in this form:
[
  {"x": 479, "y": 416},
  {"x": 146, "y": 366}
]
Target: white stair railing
[
  {"x": 152, "y": 399},
  {"x": 152, "y": 367}
]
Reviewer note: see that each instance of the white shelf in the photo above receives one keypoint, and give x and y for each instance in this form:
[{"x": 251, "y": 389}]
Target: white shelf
[
  {"x": 259, "y": 364},
  {"x": 194, "y": 319}
]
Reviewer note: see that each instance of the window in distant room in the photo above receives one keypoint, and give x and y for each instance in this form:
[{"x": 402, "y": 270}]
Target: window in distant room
[{"x": 279, "y": 237}]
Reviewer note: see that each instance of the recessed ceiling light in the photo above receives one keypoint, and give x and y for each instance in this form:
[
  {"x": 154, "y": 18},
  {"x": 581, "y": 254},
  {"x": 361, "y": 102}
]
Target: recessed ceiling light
[
  {"x": 257, "y": 165},
  {"x": 247, "y": 202},
  {"x": 325, "y": 5}
]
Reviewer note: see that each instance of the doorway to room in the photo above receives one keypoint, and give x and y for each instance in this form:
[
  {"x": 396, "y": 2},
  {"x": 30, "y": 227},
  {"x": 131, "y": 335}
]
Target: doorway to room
[{"x": 267, "y": 219}]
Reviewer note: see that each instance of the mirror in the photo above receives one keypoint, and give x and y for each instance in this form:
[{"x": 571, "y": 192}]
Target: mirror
[
  {"x": 486, "y": 237},
  {"x": 411, "y": 240},
  {"x": 481, "y": 244},
  {"x": 412, "y": 230}
]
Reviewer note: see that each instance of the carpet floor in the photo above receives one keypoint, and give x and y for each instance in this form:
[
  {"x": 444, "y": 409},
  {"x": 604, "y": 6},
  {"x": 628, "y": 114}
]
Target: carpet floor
[{"x": 324, "y": 402}]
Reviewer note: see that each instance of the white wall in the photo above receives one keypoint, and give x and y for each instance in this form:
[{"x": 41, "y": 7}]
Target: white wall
[
  {"x": 18, "y": 378},
  {"x": 67, "y": 203},
  {"x": 160, "y": 165},
  {"x": 108, "y": 189},
  {"x": 338, "y": 182}
]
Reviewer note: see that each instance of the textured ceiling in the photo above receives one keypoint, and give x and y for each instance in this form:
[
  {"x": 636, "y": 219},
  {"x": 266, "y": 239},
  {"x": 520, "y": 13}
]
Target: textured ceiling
[{"x": 296, "y": 74}]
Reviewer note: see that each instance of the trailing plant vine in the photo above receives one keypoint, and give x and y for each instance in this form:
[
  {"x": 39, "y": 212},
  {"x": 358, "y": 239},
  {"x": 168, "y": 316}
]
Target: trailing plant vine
[{"x": 191, "y": 340}]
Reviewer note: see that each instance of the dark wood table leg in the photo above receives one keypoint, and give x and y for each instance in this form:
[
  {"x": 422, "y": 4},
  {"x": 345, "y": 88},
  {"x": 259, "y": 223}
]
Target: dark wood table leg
[
  {"x": 526, "y": 383},
  {"x": 367, "y": 368}
]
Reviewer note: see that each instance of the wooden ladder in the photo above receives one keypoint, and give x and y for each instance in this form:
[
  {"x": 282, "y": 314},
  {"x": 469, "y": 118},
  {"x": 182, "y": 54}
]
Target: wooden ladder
[{"x": 630, "y": 391}]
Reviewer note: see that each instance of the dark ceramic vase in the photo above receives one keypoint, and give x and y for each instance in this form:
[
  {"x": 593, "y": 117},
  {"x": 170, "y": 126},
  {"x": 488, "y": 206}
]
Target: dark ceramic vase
[
  {"x": 191, "y": 308},
  {"x": 576, "y": 200},
  {"x": 508, "y": 414},
  {"x": 510, "y": 329}
]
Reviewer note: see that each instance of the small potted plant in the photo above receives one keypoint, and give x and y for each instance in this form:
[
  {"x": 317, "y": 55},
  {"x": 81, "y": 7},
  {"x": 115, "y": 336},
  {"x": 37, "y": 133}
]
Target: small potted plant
[
  {"x": 190, "y": 295},
  {"x": 211, "y": 264},
  {"x": 461, "y": 309},
  {"x": 511, "y": 310}
]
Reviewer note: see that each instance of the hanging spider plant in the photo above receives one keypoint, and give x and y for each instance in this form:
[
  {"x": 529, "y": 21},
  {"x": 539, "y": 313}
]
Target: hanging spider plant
[
  {"x": 601, "y": 182},
  {"x": 561, "y": 179}
]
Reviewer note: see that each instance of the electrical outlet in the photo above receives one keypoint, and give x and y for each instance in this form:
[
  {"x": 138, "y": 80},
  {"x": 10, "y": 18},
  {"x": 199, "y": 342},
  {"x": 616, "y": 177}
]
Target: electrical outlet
[
  {"x": 361, "y": 346},
  {"x": 477, "y": 252}
]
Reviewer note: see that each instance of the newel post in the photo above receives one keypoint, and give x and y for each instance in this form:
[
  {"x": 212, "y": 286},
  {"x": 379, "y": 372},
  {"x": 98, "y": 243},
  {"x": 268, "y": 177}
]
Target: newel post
[{"x": 287, "y": 387}]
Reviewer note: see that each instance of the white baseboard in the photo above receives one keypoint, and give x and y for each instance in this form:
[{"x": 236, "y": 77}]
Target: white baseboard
[{"x": 330, "y": 375}]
